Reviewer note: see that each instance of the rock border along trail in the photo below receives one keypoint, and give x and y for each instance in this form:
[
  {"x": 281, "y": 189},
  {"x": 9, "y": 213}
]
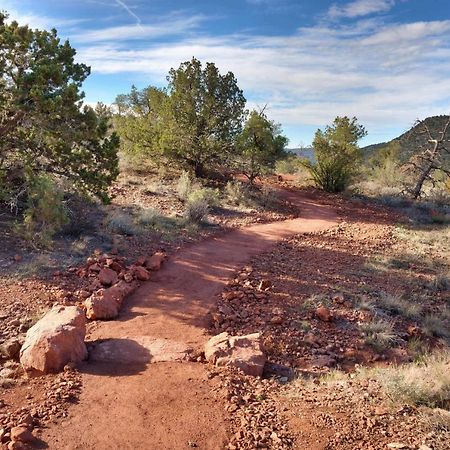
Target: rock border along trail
[{"x": 136, "y": 394}]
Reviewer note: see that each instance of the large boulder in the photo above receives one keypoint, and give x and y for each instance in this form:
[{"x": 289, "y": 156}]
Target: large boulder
[
  {"x": 105, "y": 303},
  {"x": 243, "y": 352},
  {"x": 55, "y": 340}
]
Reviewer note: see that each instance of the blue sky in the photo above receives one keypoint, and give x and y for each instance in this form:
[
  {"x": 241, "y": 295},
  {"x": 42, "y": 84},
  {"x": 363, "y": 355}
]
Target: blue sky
[{"x": 385, "y": 61}]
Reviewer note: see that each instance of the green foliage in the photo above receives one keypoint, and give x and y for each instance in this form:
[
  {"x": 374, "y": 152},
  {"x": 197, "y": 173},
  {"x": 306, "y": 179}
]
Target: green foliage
[
  {"x": 261, "y": 144},
  {"x": 138, "y": 122},
  {"x": 291, "y": 164},
  {"x": 337, "y": 154},
  {"x": 43, "y": 125},
  {"x": 186, "y": 185},
  {"x": 192, "y": 124},
  {"x": 204, "y": 115},
  {"x": 196, "y": 210},
  {"x": 236, "y": 193},
  {"x": 45, "y": 213},
  {"x": 210, "y": 196}
]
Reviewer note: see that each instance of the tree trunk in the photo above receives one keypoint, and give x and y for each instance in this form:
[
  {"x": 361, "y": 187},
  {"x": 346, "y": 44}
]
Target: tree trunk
[
  {"x": 198, "y": 169},
  {"x": 418, "y": 187}
]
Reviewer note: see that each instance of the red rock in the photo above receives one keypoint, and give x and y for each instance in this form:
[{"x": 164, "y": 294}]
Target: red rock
[
  {"x": 21, "y": 433},
  {"x": 141, "y": 273},
  {"x": 107, "y": 276},
  {"x": 10, "y": 349},
  {"x": 141, "y": 261},
  {"x": 323, "y": 314},
  {"x": 277, "y": 320},
  {"x": 106, "y": 303},
  {"x": 243, "y": 352},
  {"x": 55, "y": 340},
  {"x": 94, "y": 268},
  {"x": 155, "y": 261}
]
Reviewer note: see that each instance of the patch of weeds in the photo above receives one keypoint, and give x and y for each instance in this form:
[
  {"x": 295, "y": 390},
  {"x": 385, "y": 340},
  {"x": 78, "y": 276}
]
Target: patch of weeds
[
  {"x": 303, "y": 325},
  {"x": 426, "y": 383},
  {"x": 148, "y": 217},
  {"x": 396, "y": 304},
  {"x": 440, "y": 282},
  {"x": 435, "y": 325},
  {"x": 196, "y": 211},
  {"x": 418, "y": 348},
  {"x": 366, "y": 304},
  {"x": 208, "y": 195},
  {"x": 38, "y": 265},
  {"x": 237, "y": 193},
  {"x": 379, "y": 334},
  {"x": 121, "y": 223},
  {"x": 314, "y": 301},
  {"x": 437, "y": 419},
  {"x": 185, "y": 186}
]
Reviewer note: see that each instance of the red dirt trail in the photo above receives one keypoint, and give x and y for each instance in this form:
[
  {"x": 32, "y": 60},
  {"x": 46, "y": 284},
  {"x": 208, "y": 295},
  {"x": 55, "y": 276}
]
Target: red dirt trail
[{"x": 131, "y": 400}]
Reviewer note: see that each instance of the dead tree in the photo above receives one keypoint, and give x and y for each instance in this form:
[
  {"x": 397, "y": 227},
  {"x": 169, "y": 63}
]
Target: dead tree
[{"x": 430, "y": 159}]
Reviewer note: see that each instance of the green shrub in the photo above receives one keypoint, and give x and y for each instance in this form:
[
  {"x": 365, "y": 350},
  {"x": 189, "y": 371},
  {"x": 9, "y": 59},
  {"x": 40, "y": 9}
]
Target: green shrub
[
  {"x": 332, "y": 174},
  {"x": 337, "y": 154},
  {"x": 196, "y": 210},
  {"x": 210, "y": 196},
  {"x": 148, "y": 217},
  {"x": 45, "y": 213},
  {"x": 184, "y": 186},
  {"x": 289, "y": 165},
  {"x": 268, "y": 197},
  {"x": 236, "y": 193}
]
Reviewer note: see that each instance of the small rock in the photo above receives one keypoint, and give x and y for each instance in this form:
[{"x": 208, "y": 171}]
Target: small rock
[
  {"x": 107, "y": 276},
  {"x": 10, "y": 349},
  {"x": 323, "y": 314},
  {"x": 155, "y": 261},
  {"x": 141, "y": 273}
]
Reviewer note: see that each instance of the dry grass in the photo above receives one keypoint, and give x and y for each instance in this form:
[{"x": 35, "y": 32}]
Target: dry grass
[
  {"x": 436, "y": 325},
  {"x": 421, "y": 384},
  {"x": 379, "y": 334},
  {"x": 396, "y": 304}
]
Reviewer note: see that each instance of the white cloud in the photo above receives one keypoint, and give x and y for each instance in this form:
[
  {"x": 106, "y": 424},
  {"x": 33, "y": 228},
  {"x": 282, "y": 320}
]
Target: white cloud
[
  {"x": 360, "y": 8},
  {"x": 129, "y": 11},
  {"x": 168, "y": 27},
  {"x": 319, "y": 72}
]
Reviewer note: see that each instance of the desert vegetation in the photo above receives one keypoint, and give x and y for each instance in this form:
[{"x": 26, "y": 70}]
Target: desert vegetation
[{"x": 179, "y": 211}]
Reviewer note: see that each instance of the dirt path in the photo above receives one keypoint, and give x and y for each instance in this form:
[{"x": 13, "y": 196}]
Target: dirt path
[{"x": 132, "y": 400}]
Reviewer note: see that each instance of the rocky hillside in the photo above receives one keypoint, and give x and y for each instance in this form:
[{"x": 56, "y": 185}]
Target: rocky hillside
[{"x": 413, "y": 139}]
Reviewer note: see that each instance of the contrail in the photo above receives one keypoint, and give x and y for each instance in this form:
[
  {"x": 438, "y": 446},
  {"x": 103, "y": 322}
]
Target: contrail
[{"x": 129, "y": 11}]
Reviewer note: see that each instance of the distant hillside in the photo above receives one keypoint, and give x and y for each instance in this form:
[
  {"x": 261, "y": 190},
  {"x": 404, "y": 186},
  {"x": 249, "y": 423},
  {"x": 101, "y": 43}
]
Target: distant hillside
[
  {"x": 413, "y": 140},
  {"x": 305, "y": 152}
]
